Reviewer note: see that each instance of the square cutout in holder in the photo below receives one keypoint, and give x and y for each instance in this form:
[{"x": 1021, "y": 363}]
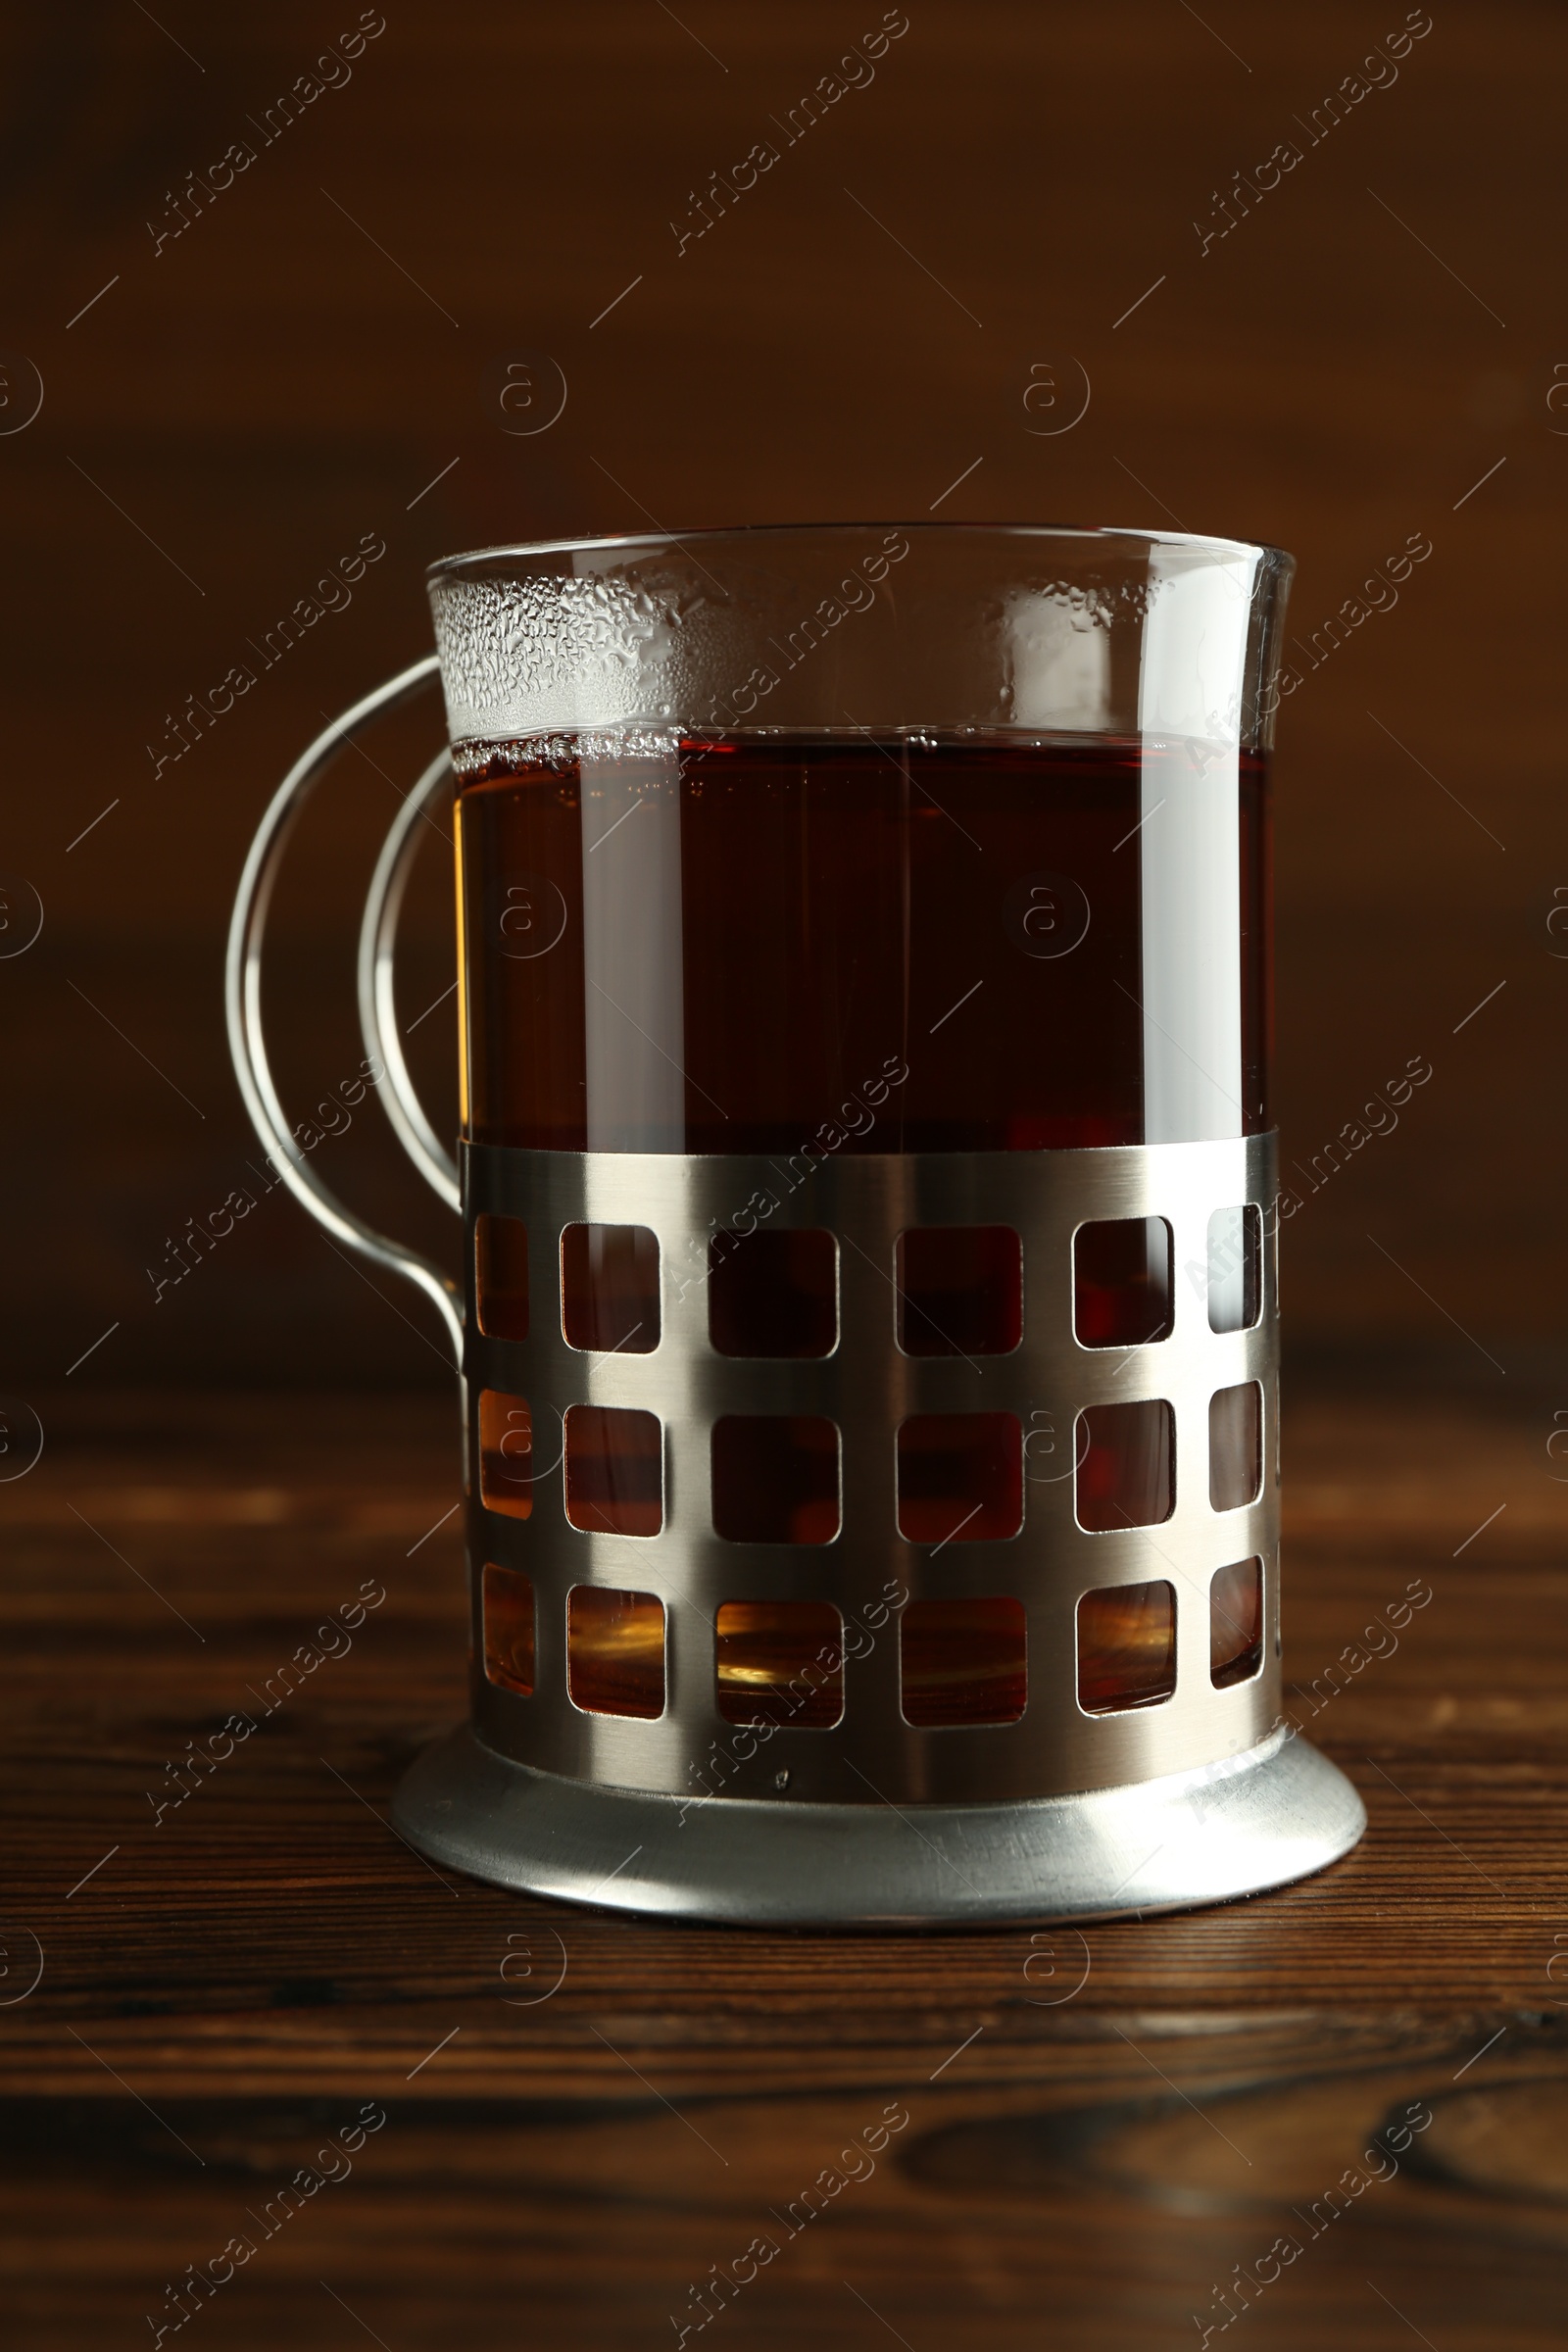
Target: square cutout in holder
[
  {"x": 615, "y": 1470},
  {"x": 775, "y": 1478},
  {"x": 610, "y": 1289},
  {"x": 501, "y": 1276},
  {"x": 780, "y": 1662},
  {"x": 1126, "y": 1465},
  {"x": 616, "y": 1652},
  {"x": 773, "y": 1294},
  {"x": 506, "y": 1608},
  {"x": 1234, "y": 1268},
  {"x": 1235, "y": 1445},
  {"x": 1236, "y": 1623},
  {"x": 1121, "y": 1282},
  {"x": 1126, "y": 1647},
  {"x": 959, "y": 1290},
  {"x": 960, "y": 1477},
  {"x": 962, "y": 1661},
  {"x": 506, "y": 1455}
]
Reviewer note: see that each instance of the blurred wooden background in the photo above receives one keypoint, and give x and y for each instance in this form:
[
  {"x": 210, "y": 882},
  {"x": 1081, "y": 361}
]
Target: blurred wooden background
[{"x": 311, "y": 358}]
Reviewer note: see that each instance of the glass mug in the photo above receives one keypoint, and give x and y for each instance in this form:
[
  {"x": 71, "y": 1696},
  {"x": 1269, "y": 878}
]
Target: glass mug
[{"x": 868, "y": 1319}]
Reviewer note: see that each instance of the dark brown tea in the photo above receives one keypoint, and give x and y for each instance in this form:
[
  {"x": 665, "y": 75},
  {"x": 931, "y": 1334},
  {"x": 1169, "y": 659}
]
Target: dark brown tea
[{"x": 747, "y": 944}]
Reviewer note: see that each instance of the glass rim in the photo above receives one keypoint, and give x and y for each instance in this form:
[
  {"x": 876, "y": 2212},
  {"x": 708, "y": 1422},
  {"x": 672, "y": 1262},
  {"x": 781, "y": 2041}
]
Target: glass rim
[{"x": 739, "y": 534}]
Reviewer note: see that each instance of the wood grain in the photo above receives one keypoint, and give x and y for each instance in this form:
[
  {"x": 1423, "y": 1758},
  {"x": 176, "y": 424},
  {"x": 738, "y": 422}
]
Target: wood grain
[
  {"x": 1088, "y": 2155},
  {"x": 1099, "y": 2126},
  {"x": 240, "y": 405}
]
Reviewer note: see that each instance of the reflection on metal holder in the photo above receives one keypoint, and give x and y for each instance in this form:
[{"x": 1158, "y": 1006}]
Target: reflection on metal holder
[
  {"x": 1065, "y": 1810},
  {"x": 1265, "y": 1818},
  {"x": 867, "y": 1387}
]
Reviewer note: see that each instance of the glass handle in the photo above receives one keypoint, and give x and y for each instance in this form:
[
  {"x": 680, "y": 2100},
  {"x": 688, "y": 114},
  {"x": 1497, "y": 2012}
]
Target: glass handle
[
  {"x": 379, "y": 1016},
  {"x": 243, "y": 1004}
]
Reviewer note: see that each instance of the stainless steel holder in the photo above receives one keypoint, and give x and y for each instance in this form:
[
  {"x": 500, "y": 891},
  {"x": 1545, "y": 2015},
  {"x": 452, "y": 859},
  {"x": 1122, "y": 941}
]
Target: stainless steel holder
[{"x": 874, "y": 1821}]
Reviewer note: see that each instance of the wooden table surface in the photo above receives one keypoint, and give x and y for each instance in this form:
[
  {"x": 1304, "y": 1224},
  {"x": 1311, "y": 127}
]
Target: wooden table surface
[{"x": 587, "y": 2119}]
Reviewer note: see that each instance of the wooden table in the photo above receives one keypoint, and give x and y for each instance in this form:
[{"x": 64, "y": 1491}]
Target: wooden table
[{"x": 1097, "y": 2128}]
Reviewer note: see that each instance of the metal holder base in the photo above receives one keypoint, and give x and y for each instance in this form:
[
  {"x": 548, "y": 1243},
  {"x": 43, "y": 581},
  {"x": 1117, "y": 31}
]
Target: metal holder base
[{"x": 1274, "y": 1813}]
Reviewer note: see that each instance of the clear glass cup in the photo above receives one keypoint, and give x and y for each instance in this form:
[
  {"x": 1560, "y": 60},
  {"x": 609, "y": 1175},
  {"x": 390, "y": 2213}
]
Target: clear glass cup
[
  {"x": 750, "y": 820},
  {"x": 868, "y": 1320}
]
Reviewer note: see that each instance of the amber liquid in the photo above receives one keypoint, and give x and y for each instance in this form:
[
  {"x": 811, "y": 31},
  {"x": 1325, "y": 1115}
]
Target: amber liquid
[{"x": 928, "y": 944}]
